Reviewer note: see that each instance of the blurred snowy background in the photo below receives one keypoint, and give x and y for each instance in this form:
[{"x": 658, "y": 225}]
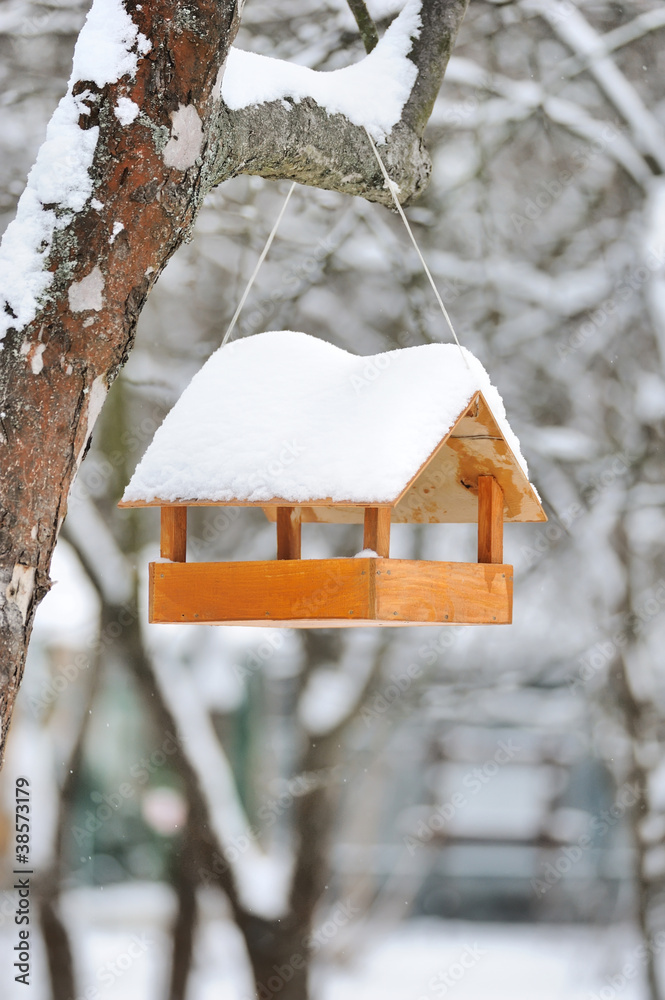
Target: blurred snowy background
[{"x": 474, "y": 812}]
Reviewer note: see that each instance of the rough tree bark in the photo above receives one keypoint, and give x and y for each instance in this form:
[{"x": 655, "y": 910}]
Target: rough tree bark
[{"x": 152, "y": 179}]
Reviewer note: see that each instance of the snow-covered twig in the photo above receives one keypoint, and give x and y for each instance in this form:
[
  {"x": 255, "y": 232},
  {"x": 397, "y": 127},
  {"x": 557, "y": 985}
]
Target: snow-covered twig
[
  {"x": 527, "y": 96},
  {"x": 572, "y": 28}
]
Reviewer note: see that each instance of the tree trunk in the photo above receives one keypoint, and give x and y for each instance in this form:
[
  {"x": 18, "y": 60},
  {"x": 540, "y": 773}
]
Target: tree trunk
[
  {"x": 149, "y": 178},
  {"x": 280, "y": 956},
  {"x": 184, "y": 927},
  {"x": 58, "y": 950},
  {"x": 636, "y": 715}
]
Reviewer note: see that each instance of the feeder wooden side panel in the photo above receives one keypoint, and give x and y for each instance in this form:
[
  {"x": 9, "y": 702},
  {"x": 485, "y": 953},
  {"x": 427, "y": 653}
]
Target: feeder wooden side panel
[
  {"x": 377, "y": 530},
  {"x": 268, "y": 591},
  {"x": 450, "y": 593},
  {"x": 325, "y": 593}
]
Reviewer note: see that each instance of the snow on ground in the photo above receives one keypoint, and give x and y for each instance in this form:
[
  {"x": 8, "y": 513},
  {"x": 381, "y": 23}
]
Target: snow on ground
[
  {"x": 427, "y": 959},
  {"x": 122, "y": 947},
  {"x": 287, "y": 415},
  {"x": 371, "y": 92}
]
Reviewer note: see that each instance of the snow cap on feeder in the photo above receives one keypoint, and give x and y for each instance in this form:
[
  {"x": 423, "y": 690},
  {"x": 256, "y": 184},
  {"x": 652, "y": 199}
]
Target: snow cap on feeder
[{"x": 308, "y": 432}]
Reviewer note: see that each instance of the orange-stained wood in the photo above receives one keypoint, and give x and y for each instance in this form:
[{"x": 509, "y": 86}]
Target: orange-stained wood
[
  {"x": 377, "y": 530},
  {"x": 173, "y": 540},
  {"x": 420, "y": 591},
  {"x": 266, "y": 591},
  {"x": 288, "y": 532},
  {"x": 490, "y": 520},
  {"x": 324, "y": 593}
]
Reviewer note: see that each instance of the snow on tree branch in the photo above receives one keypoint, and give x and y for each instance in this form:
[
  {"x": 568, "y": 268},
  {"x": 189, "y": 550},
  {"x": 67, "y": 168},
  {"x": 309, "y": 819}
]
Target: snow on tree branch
[
  {"x": 369, "y": 93},
  {"x": 572, "y": 28},
  {"x": 289, "y": 121},
  {"x": 524, "y": 97}
]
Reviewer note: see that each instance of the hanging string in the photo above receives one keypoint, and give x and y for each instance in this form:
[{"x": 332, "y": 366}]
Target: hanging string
[
  {"x": 394, "y": 188},
  {"x": 264, "y": 253}
]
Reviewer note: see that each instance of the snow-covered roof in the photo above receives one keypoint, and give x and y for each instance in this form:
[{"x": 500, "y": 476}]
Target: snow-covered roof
[{"x": 286, "y": 417}]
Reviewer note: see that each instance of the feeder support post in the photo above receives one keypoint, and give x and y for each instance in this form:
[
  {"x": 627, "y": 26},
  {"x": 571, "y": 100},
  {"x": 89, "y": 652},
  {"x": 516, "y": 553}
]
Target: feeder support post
[
  {"x": 173, "y": 541},
  {"x": 377, "y": 530},
  {"x": 288, "y": 532},
  {"x": 490, "y": 520}
]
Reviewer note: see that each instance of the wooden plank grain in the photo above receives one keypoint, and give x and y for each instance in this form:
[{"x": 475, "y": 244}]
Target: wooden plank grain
[
  {"x": 328, "y": 593},
  {"x": 288, "y": 532},
  {"x": 443, "y": 592},
  {"x": 278, "y": 590},
  {"x": 173, "y": 536},
  {"x": 377, "y": 530},
  {"x": 490, "y": 520}
]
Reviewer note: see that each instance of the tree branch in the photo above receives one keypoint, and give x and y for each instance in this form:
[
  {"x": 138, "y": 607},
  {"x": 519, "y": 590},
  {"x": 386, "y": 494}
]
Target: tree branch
[
  {"x": 441, "y": 21},
  {"x": 366, "y": 26},
  {"x": 302, "y": 141},
  {"x": 305, "y": 144}
]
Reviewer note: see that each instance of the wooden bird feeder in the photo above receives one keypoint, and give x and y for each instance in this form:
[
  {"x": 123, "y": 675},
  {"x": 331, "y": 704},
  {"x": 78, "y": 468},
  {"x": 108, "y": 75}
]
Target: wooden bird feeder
[{"x": 470, "y": 474}]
